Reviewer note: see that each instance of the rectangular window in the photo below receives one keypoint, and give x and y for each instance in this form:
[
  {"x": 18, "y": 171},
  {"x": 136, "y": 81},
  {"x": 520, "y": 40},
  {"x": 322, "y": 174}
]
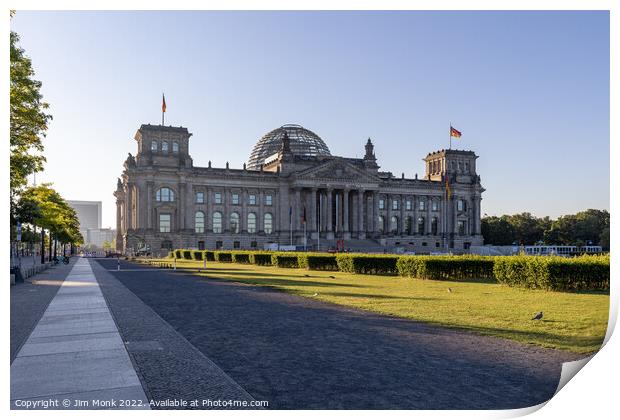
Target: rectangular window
[
  {"x": 459, "y": 205},
  {"x": 200, "y": 198},
  {"x": 218, "y": 244},
  {"x": 217, "y": 198},
  {"x": 235, "y": 198},
  {"x": 381, "y": 204},
  {"x": 164, "y": 223},
  {"x": 252, "y": 199},
  {"x": 201, "y": 245},
  {"x": 394, "y": 204},
  {"x": 408, "y": 205},
  {"x": 236, "y": 245},
  {"x": 461, "y": 225},
  {"x": 268, "y": 200},
  {"x": 422, "y": 205},
  {"x": 253, "y": 244},
  {"x": 435, "y": 206}
]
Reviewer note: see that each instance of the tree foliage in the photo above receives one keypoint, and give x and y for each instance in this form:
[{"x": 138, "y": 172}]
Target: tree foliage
[
  {"x": 586, "y": 227},
  {"x": 28, "y": 120},
  {"x": 53, "y": 213}
]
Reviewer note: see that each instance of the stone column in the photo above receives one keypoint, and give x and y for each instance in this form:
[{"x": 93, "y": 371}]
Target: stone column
[
  {"x": 130, "y": 199},
  {"x": 330, "y": 228},
  {"x": 180, "y": 207},
  {"x": 429, "y": 205},
  {"x": 244, "y": 211},
  {"x": 313, "y": 221},
  {"x": 345, "y": 216},
  {"x": 388, "y": 204},
  {"x": 297, "y": 210},
  {"x": 149, "y": 204},
  {"x": 360, "y": 215},
  {"x": 375, "y": 211},
  {"x": 208, "y": 210},
  {"x": 261, "y": 213},
  {"x": 401, "y": 226},
  {"x": 455, "y": 225},
  {"x": 477, "y": 230},
  {"x": 415, "y": 203}
]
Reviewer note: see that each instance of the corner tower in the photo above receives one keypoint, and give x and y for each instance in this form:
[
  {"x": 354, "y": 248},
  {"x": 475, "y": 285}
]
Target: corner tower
[
  {"x": 159, "y": 145},
  {"x": 460, "y": 165}
]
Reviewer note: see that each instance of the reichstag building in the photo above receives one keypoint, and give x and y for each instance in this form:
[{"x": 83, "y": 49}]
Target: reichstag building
[{"x": 292, "y": 191}]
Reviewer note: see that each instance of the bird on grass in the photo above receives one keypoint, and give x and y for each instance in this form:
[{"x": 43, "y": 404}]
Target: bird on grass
[
  {"x": 306, "y": 275},
  {"x": 332, "y": 277},
  {"x": 316, "y": 294},
  {"x": 449, "y": 290},
  {"x": 538, "y": 316}
]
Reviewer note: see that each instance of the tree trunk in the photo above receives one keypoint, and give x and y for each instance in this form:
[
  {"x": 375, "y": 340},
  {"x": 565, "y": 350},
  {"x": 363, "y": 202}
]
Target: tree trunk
[
  {"x": 55, "y": 245},
  {"x": 49, "y": 254},
  {"x": 42, "y": 246}
]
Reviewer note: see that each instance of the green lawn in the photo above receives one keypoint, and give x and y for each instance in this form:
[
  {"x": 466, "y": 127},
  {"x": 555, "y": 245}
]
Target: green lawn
[{"x": 574, "y": 322}]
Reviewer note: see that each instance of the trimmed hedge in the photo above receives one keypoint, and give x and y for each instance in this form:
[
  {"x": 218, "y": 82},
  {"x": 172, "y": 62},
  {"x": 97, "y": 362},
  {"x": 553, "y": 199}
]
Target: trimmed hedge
[
  {"x": 326, "y": 262},
  {"x": 285, "y": 260},
  {"x": 367, "y": 264},
  {"x": 223, "y": 256},
  {"x": 554, "y": 273},
  {"x": 446, "y": 268},
  {"x": 209, "y": 255},
  {"x": 260, "y": 258},
  {"x": 178, "y": 253},
  {"x": 241, "y": 257},
  {"x": 171, "y": 254},
  {"x": 198, "y": 255}
]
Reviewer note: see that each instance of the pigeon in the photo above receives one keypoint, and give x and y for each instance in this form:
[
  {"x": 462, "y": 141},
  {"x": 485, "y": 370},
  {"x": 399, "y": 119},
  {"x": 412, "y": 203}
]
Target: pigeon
[
  {"x": 449, "y": 290},
  {"x": 538, "y": 316},
  {"x": 306, "y": 275},
  {"x": 332, "y": 277},
  {"x": 316, "y": 294}
]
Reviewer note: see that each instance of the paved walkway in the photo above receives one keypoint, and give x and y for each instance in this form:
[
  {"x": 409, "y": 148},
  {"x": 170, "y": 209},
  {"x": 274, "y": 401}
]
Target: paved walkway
[{"x": 75, "y": 352}]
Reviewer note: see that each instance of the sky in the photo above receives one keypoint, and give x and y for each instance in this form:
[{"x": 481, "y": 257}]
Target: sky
[{"x": 528, "y": 90}]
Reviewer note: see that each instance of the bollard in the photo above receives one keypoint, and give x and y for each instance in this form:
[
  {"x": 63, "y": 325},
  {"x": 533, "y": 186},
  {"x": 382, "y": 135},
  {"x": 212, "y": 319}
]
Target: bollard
[{"x": 118, "y": 264}]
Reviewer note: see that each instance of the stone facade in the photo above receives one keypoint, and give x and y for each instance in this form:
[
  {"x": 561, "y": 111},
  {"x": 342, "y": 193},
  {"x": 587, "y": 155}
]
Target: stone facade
[{"x": 164, "y": 202}]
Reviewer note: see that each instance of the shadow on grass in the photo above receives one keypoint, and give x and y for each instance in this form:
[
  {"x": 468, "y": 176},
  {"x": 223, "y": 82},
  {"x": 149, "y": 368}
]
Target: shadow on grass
[
  {"x": 274, "y": 282},
  {"x": 367, "y": 295}
]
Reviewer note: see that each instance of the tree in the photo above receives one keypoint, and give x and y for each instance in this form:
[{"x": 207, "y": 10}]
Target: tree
[
  {"x": 28, "y": 120},
  {"x": 528, "y": 229},
  {"x": 54, "y": 214},
  {"x": 497, "y": 230}
]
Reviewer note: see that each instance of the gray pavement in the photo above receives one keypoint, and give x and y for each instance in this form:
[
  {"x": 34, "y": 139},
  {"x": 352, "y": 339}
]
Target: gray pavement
[
  {"x": 75, "y": 351},
  {"x": 300, "y": 353},
  {"x": 30, "y": 299}
]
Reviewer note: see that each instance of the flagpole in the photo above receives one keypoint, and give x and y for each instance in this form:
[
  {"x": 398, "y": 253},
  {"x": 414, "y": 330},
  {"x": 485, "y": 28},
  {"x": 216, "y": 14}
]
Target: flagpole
[
  {"x": 450, "y": 131},
  {"x": 318, "y": 236}
]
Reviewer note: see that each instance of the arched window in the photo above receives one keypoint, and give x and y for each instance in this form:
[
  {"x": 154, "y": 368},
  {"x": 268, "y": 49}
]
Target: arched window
[
  {"x": 268, "y": 223},
  {"x": 217, "y": 222},
  {"x": 234, "y": 222},
  {"x": 199, "y": 222},
  {"x": 164, "y": 194},
  {"x": 164, "y": 147},
  {"x": 408, "y": 225},
  {"x": 434, "y": 225},
  {"x": 175, "y": 147},
  {"x": 394, "y": 224},
  {"x": 380, "y": 222},
  {"x": 153, "y": 146},
  {"x": 251, "y": 223},
  {"x": 421, "y": 227}
]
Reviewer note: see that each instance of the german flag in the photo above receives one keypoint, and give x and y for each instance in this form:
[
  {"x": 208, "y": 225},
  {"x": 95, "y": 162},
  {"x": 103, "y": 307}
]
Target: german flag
[
  {"x": 163, "y": 103},
  {"x": 455, "y": 133}
]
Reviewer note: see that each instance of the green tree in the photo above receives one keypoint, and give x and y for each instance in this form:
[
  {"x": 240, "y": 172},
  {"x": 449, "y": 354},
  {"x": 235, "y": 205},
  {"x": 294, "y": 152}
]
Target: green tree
[
  {"x": 528, "y": 229},
  {"x": 497, "y": 230},
  {"x": 28, "y": 120},
  {"x": 54, "y": 214}
]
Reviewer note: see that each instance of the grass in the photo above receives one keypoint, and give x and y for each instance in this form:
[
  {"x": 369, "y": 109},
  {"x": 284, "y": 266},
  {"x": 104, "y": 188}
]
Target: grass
[{"x": 574, "y": 322}]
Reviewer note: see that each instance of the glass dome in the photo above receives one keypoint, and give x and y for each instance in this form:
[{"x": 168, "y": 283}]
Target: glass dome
[{"x": 303, "y": 143}]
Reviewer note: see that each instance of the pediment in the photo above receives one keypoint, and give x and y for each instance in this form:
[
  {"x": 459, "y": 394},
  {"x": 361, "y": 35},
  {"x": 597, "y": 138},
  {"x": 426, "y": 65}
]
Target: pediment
[{"x": 337, "y": 170}]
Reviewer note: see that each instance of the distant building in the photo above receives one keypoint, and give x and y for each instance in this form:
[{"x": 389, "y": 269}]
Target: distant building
[
  {"x": 293, "y": 191},
  {"x": 89, "y": 215}
]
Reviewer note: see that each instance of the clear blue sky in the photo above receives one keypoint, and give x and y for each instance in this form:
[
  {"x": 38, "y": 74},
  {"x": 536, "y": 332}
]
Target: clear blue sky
[{"x": 528, "y": 90}]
